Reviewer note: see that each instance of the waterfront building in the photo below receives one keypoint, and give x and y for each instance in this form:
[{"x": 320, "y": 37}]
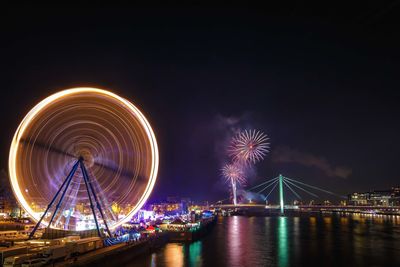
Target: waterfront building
[
  {"x": 395, "y": 196},
  {"x": 198, "y": 207},
  {"x": 166, "y": 208},
  {"x": 380, "y": 198},
  {"x": 376, "y": 198},
  {"x": 172, "y": 206},
  {"x": 144, "y": 215},
  {"x": 358, "y": 199}
]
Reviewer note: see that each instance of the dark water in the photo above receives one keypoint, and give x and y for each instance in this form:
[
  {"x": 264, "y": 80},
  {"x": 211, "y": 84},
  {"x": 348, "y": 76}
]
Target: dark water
[{"x": 320, "y": 240}]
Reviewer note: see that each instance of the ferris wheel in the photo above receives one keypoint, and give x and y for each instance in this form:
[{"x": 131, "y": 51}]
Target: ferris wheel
[{"x": 83, "y": 158}]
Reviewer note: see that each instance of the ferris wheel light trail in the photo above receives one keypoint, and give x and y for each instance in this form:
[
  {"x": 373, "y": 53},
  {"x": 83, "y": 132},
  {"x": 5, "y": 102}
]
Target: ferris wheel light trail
[
  {"x": 85, "y": 107},
  {"x": 44, "y": 146},
  {"x": 62, "y": 152}
]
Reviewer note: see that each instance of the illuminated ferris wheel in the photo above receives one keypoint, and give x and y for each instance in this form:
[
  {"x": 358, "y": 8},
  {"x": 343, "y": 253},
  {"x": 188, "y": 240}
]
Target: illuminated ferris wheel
[{"x": 83, "y": 158}]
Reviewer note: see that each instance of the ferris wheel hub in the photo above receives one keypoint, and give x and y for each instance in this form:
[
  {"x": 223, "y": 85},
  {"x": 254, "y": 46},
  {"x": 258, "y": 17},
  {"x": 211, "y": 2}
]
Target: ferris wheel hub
[{"x": 87, "y": 157}]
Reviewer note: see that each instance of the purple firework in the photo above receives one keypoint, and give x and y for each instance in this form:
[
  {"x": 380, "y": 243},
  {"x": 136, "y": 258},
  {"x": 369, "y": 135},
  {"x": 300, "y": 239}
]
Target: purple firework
[
  {"x": 249, "y": 146},
  {"x": 233, "y": 172}
]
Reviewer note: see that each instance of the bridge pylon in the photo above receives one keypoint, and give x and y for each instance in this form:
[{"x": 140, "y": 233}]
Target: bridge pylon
[{"x": 281, "y": 202}]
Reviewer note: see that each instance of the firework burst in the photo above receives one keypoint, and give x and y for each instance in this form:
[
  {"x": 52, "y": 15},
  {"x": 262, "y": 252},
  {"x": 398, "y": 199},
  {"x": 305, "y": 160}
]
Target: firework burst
[
  {"x": 234, "y": 175},
  {"x": 233, "y": 172},
  {"x": 249, "y": 146}
]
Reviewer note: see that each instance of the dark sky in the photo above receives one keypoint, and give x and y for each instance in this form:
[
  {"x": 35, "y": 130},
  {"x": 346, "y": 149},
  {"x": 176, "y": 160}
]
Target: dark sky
[{"x": 322, "y": 81}]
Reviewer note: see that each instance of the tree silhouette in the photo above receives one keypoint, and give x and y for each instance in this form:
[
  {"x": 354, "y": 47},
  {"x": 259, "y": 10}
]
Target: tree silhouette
[{"x": 6, "y": 194}]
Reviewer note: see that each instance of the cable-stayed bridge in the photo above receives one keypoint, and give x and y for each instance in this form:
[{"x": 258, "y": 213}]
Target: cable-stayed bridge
[{"x": 297, "y": 188}]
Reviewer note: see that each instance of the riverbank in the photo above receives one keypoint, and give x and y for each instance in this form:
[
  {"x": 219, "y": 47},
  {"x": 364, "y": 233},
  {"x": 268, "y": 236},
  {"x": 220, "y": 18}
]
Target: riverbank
[
  {"x": 124, "y": 251},
  {"x": 192, "y": 235},
  {"x": 122, "y": 254}
]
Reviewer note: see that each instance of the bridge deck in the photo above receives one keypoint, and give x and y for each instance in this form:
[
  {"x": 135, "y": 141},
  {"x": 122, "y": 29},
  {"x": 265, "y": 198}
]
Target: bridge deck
[{"x": 306, "y": 207}]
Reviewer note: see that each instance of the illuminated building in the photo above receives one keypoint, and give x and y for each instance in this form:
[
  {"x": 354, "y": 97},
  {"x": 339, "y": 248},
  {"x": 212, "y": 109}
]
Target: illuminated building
[
  {"x": 376, "y": 198},
  {"x": 166, "y": 208},
  {"x": 395, "y": 196},
  {"x": 172, "y": 206},
  {"x": 358, "y": 199},
  {"x": 380, "y": 198},
  {"x": 145, "y": 214}
]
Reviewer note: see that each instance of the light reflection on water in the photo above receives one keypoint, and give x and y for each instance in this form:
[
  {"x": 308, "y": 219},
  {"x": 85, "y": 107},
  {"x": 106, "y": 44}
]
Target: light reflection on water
[
  {"x": 195, "y": 254},
  {"x": 173, "y": 256},
  {"x": 235, "y": 247},
  {"x": 283, "y": 242},
  {"x": 153, "y": 262},
  {"x": 328, "y": 240}
]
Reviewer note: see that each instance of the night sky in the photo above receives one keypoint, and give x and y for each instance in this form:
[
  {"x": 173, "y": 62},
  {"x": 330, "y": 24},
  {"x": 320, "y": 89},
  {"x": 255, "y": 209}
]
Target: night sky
[{"x": 322, "y": 81}]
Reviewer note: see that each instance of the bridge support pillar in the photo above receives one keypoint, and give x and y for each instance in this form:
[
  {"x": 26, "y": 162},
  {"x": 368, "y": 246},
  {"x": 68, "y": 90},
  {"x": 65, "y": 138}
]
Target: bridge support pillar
[{"x": 282, "y": 205}]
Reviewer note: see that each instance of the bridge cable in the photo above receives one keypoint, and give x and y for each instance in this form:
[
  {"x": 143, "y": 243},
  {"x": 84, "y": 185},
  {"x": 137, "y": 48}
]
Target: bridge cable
[
  {"x": 302, "y": 189},
  {"x": 263, "y": 183},
  {"x": 271, "y": 191},
  {"x": 265, "y": 188},
  {"x": 316, "y": 188},
  {"x": 291, "y": 189}
]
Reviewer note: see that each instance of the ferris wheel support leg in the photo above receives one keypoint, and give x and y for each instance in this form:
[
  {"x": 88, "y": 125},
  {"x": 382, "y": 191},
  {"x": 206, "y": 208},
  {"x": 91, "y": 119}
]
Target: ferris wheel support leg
[
  {"x": 54, "y": 199},
  {"x": 96, "y": 200},
  {"x": 90, "y": 197},
  {"x": 63, "y": 194}
]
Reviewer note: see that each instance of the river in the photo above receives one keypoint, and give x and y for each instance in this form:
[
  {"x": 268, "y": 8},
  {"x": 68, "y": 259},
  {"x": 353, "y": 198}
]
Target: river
[{"x": 305, "y": 240}]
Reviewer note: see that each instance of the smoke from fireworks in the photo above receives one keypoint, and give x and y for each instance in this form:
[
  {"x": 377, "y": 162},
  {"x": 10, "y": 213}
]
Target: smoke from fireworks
[{"x": 249, "y": 147}]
